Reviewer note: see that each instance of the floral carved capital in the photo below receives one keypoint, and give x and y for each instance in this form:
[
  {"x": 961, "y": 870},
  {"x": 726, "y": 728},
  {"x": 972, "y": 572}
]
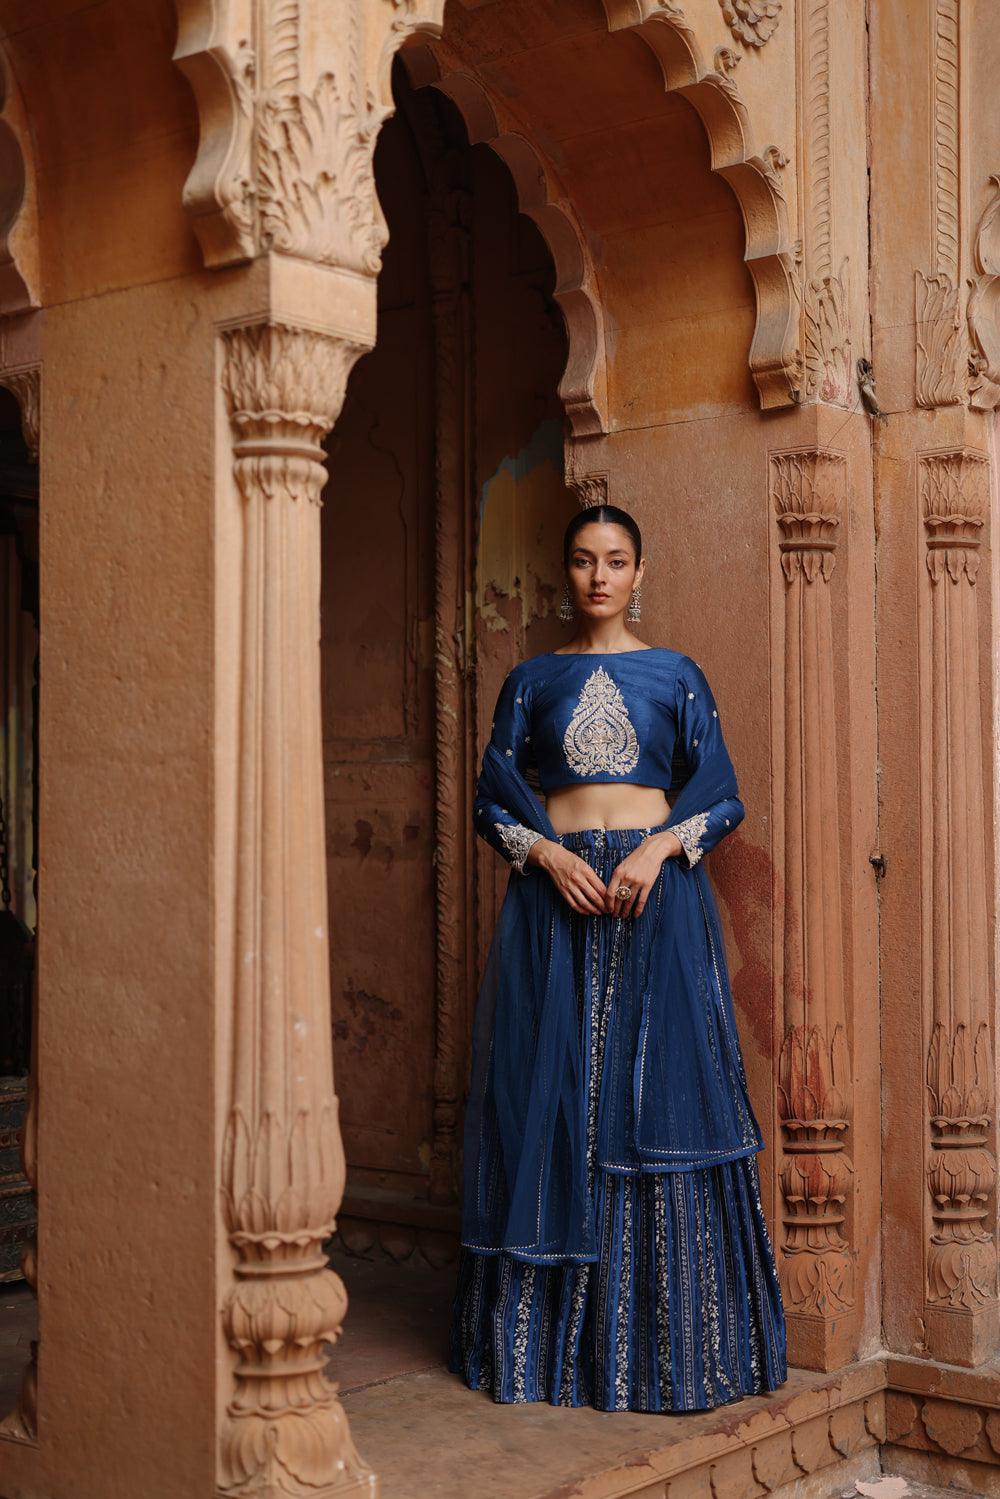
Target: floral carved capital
[
  {"x": 284, "y": 388},
  {"x": 955, "y": 493},
  {"x": 806, "y": 489}
]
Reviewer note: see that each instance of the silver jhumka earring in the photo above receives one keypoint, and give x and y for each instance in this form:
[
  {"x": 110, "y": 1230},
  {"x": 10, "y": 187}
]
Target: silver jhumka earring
[
  {"x": 566, "y": 608},
  {"x": 634, "y": 611}
]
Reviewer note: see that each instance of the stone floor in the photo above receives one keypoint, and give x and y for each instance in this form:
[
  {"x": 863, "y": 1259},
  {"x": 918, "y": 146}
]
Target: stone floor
[{"x": 430, "y": 1438}]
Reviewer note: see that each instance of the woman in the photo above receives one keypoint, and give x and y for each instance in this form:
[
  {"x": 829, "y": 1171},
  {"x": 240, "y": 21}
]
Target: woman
[{"x": 614, "y": 1247}]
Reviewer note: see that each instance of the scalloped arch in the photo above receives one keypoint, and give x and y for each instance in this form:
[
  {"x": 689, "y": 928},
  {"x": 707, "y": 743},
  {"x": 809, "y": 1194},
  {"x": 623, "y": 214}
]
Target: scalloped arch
[
  {"x": 581, "y": 388},
  {"x": 774, "y": 352},
  {"x": 224, "y": 183}
]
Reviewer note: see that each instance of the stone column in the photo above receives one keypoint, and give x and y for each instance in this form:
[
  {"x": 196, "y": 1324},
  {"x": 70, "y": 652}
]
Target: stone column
[
  {"x": 814, "y": 1095},
  {"x": 283, "y": 1163},
  {"x": 960, "y": 1313}
]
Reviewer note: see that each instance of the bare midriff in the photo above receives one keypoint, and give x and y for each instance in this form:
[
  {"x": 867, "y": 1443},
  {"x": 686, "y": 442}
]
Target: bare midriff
[{"x": 606, "y": 804}]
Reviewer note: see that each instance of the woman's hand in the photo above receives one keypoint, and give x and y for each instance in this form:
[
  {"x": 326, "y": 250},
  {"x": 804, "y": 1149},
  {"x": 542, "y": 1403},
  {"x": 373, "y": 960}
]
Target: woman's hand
[
  {"x": 572, "y": 876},
  {"x": 638, "y": 872}
]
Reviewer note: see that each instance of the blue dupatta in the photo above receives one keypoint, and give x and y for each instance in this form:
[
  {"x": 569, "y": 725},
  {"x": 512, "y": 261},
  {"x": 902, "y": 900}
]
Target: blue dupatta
[{"x": 527, "y": 1175}]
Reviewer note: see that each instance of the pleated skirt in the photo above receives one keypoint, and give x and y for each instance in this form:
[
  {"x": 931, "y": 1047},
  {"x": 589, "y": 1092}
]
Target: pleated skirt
[{"x": 681, "y": 1311}]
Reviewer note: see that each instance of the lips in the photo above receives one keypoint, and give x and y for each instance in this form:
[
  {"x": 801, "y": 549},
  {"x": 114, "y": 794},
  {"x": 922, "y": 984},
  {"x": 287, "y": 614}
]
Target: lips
[{"x": 599, "y": 598}]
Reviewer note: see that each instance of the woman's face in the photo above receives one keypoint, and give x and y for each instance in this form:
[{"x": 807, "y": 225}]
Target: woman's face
[{"x": 602, "y": 571}]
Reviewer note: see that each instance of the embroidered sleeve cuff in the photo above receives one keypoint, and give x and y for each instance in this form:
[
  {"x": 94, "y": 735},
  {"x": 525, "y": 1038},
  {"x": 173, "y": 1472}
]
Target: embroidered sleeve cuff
[
  {"x": 517, "y": 840},
  {"x": 690, "y": 832}
]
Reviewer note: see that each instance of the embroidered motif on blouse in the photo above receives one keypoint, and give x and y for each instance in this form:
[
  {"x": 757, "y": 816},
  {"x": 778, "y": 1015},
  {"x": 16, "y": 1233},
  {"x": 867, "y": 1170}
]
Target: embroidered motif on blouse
[
  {"x": 599, "y": 738},
  {"x": 517, "y": 840},
  {"x": 690, "y": 832}
]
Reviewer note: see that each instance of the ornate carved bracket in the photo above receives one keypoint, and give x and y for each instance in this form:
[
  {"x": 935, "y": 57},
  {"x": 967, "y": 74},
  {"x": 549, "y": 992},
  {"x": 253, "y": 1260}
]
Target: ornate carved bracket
[
  {"x": 808, "y": 492},
  {"x": 282, "y": 1164},
  {"x": 288, "y": 131},
  {"x": 960, "y": 1313}
]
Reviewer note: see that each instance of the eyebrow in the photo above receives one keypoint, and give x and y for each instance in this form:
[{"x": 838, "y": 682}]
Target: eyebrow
[{"x": 614, "y": 552}]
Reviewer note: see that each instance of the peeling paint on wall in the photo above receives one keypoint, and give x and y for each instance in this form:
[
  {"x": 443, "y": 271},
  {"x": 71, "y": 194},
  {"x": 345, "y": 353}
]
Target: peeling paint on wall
[{"x": 524, "y": 509}]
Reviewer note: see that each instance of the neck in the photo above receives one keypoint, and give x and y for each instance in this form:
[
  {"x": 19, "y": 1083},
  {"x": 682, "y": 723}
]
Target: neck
[{"x": 595, "y": 638}]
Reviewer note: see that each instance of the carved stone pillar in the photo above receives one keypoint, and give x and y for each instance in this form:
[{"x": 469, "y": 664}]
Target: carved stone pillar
[
  {"x": 447, "y": 243},
  {"x": 960, "y": 1313},
  {"x": 283, "y": 1163},
  {"x": 814, "y": 1093}
]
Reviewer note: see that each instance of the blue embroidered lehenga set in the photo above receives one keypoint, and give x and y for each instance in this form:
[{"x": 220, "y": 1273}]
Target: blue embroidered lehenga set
[{"x": 614, "y": 1246}]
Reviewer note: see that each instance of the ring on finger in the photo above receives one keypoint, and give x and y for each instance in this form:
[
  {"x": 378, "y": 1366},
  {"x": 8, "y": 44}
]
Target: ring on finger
[{"x": 624, "y": 892}]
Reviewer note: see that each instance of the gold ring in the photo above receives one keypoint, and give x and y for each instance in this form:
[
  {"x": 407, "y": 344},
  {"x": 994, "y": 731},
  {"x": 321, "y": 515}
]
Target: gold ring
[{"x": 624, "y": 892}]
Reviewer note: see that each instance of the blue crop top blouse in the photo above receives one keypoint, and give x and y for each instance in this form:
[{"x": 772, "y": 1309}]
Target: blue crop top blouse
[{"x": 564, "y": 720}]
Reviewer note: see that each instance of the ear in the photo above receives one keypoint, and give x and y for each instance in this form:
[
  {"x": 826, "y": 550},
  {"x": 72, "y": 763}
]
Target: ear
[{"x": 639, "y": 572}]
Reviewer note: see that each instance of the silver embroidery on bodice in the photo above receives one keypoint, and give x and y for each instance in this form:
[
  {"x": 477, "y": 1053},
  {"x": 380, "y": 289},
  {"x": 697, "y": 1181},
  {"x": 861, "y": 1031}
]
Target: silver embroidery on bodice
[{"x": 600, "y": 739}]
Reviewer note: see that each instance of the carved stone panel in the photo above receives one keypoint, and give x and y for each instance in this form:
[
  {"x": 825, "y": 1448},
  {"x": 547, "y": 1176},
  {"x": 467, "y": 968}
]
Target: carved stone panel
[
  {"x": 961, "y": 1253},
  {"x": 815, "y": 1072}
]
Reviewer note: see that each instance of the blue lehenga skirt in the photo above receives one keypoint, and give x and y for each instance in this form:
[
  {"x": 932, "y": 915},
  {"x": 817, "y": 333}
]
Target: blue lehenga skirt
[{"x": 680, "y": 1310}]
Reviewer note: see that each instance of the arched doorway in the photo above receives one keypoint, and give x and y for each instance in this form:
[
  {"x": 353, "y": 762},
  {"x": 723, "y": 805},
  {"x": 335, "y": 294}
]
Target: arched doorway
[{"x": 441, "y": 529}]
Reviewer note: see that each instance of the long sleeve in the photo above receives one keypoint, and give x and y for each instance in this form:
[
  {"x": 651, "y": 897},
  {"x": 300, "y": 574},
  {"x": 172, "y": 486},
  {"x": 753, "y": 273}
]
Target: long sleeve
[
  {"x": 699, "y": 736},
  {"x": 511, "y": 738}
]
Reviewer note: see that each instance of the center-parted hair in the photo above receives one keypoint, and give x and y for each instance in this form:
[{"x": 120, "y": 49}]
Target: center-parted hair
[{"x": 602, "y": 515}]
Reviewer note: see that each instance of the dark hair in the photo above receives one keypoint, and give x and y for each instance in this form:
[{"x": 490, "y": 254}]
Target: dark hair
[{"x": 602, "y": 515}]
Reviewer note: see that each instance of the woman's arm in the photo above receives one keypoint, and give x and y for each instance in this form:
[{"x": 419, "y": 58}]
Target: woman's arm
[
  {"x": 699, "y": 734},
  {"x": 511, "y": 738},
  {"x": 522, "y": 846}
]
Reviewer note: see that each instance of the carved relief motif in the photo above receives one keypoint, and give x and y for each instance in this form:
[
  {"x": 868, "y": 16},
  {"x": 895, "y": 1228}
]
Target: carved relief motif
[
  {"x": 962, "y": 1264},
  {"x": 814, "y": 1103},
  {"x": 956, "y": 1427},
  {"x": 282, "y": 1164},
  {"x": 941, "y": 357},
  {"x": 829, "y": 364},
  {"x": 589, "y": 489},
  {"x": 753, "y": 22},
  {"x": 946, "y": 174},
  {"x": 808, "y": 491},
  {"x": 827, "y": 358},
  {"x": 961, "y": 1252}
]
